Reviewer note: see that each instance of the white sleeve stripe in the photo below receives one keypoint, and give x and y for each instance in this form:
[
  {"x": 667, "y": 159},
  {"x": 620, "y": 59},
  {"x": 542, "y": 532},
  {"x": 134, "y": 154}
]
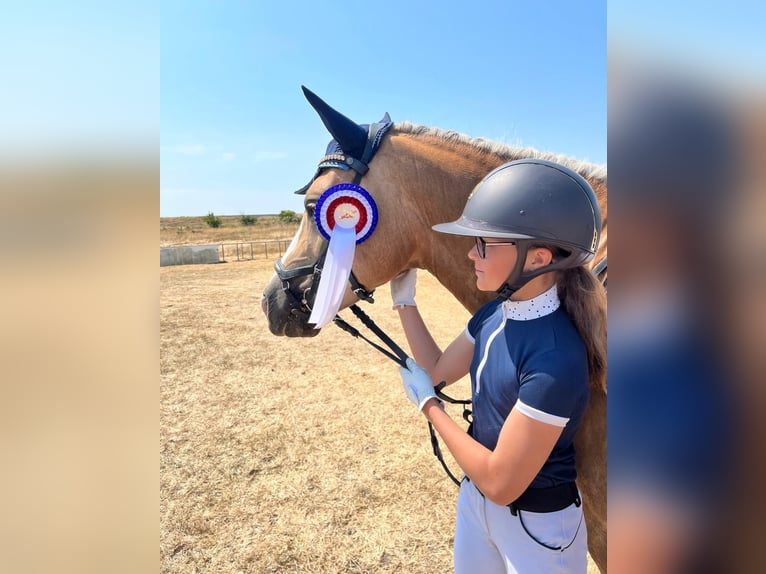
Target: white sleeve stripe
[
  {"x": 541, "y": 416},
  {"x": 470, "y": 337}
]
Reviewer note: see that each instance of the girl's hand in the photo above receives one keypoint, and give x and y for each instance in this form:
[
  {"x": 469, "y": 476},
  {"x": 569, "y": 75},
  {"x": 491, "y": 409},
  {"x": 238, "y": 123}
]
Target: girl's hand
[{"x": 417, "y": 384}]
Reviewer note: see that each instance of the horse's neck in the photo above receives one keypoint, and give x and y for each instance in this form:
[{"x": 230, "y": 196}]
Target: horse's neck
[
  {"x": 439, "y": 178},
  {"x": 451, "y": 266}
]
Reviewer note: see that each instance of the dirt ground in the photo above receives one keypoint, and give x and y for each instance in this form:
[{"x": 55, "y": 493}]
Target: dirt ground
[{"x": 293, "y": 455}]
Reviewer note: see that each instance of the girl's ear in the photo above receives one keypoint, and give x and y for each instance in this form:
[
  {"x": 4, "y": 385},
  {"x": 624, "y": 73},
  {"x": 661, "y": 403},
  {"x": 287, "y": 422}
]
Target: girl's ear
[{"x": 539, "y": 257}]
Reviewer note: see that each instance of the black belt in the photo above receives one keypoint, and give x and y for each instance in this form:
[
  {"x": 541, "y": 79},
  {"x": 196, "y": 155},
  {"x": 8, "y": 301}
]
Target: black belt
[{"x": 549, "y": 499}]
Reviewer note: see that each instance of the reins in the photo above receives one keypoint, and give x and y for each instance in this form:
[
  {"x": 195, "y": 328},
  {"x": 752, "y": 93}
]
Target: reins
[{"x": 397, "y": 354}]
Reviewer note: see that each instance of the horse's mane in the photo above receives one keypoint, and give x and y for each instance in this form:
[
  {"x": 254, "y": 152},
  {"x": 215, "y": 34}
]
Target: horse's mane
[{"x": 505, "y": 152}]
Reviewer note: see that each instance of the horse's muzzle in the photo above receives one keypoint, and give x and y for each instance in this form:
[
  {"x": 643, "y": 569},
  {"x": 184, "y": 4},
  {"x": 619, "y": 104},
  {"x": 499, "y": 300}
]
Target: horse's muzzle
[{"x": 284, "y": 316}]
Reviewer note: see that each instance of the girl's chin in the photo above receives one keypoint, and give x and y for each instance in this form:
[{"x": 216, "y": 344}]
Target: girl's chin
[{"x": 481, "y": 285}]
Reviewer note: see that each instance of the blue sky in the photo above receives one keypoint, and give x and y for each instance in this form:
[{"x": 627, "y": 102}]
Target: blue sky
[{"x": 237, "y": 136}]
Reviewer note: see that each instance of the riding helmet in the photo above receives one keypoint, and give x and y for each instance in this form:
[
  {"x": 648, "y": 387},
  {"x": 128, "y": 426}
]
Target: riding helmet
[{"x": 533, "y": 201}]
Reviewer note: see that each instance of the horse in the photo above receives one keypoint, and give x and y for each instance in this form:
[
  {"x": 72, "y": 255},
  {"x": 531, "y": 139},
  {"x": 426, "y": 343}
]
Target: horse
[{"x": 420, "y": 176}]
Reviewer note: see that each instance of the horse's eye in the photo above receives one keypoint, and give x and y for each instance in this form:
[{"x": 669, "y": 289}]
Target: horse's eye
[{"x": 310, "y": 209}]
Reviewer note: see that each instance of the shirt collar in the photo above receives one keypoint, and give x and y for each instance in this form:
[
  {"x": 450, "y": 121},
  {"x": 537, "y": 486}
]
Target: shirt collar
[{"x": 540, "y": 306}]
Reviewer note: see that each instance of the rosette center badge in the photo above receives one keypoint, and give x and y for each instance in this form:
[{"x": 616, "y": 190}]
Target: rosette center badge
[{"x": 348, "y": 206}]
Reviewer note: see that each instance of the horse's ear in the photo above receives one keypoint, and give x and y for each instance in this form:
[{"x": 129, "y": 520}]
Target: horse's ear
[
  {"x": 351, "y": 137},
  {"x": 386, "y": 119}
]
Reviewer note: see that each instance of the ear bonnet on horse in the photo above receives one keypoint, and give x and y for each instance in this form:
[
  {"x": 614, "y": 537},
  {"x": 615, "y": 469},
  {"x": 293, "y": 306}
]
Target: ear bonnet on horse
[{"x": 353, "y": 145}]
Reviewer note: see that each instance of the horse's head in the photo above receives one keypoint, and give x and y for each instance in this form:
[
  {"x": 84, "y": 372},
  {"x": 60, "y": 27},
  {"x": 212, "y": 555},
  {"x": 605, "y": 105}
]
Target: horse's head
[{"x": 289, "y": 296}]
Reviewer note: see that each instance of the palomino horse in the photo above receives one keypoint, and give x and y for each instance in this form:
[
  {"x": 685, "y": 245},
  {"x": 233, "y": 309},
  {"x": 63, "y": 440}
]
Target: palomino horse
[{"x": 419, "y": 177}]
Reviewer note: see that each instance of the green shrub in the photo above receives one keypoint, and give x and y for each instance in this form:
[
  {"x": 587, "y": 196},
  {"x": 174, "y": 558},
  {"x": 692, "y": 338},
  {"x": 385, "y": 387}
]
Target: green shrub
[
  {"x": 247, "y": 219},
  {"x": 288, "y": 216},
  {"x": 212, "y": 220}
]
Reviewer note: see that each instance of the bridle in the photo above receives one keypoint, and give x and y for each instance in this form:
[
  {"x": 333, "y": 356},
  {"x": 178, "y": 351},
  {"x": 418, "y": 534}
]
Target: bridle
[{"x": 304, "y": 300}]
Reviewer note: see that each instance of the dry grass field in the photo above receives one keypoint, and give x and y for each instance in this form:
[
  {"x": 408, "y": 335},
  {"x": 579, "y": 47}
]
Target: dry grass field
[
  {"x": 194, "y": 231},
  {"x": 293, "y": 455}
]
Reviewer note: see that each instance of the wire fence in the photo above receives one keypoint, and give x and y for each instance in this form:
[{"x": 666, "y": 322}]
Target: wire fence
[{"x": 249, "y": 250}]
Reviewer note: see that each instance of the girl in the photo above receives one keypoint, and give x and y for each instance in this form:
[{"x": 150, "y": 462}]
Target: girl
[{"x": 531, "y": 354}]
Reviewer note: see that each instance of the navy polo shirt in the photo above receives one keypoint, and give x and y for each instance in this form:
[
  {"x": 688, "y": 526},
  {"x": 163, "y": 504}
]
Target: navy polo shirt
[{"x": 528, "y": 354}]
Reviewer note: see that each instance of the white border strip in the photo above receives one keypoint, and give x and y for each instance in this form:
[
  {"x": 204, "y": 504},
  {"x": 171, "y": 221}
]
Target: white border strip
[
  {"x": 541, "y": 416},
  {"x": 486, "y": 353}
]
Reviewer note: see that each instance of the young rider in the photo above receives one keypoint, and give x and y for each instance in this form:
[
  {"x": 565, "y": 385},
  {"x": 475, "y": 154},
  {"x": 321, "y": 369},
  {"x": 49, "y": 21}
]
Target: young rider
[{"x": 532, "y": 354}]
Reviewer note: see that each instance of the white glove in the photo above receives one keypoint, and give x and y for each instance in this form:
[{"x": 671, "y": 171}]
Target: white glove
[
  {"x": 417, "y": 384},
  {"x": 403, "y": 288}
]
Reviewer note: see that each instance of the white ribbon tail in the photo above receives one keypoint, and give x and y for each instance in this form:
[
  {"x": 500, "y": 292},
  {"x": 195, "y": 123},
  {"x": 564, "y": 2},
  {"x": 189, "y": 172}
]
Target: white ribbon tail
[{"x": 335, "y": 273}]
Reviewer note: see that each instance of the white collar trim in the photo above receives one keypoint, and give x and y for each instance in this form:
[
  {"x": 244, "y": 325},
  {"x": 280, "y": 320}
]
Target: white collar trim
[{"x": 540, "y": 306}]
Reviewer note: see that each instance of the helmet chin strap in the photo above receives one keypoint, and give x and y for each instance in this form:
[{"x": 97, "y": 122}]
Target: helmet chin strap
[{"x": 518, "y": 277}]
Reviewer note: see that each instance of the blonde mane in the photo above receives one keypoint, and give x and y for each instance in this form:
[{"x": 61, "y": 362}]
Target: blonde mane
[{"x": 504, "y": 151}]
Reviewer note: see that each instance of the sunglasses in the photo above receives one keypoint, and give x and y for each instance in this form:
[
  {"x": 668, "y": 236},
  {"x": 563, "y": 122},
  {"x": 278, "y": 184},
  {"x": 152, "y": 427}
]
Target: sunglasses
[{"x": 481, "y": 246}]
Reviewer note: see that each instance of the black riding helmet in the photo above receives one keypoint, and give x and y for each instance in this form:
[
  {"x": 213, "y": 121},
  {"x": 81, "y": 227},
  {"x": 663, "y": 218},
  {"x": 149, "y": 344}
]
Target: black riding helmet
[{"x": 533, "y": 201}]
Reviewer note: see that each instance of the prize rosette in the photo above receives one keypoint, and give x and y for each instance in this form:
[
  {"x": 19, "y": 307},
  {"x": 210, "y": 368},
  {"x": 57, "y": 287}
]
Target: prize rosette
[
  {"x": 345, "y": 215},
  {"x": 348, "y": 206}
]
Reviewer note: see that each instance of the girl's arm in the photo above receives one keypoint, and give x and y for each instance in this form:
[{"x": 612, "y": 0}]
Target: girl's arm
[
  {"x": 448, "y": 365},
  {"x": 504, "y": 474}
]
